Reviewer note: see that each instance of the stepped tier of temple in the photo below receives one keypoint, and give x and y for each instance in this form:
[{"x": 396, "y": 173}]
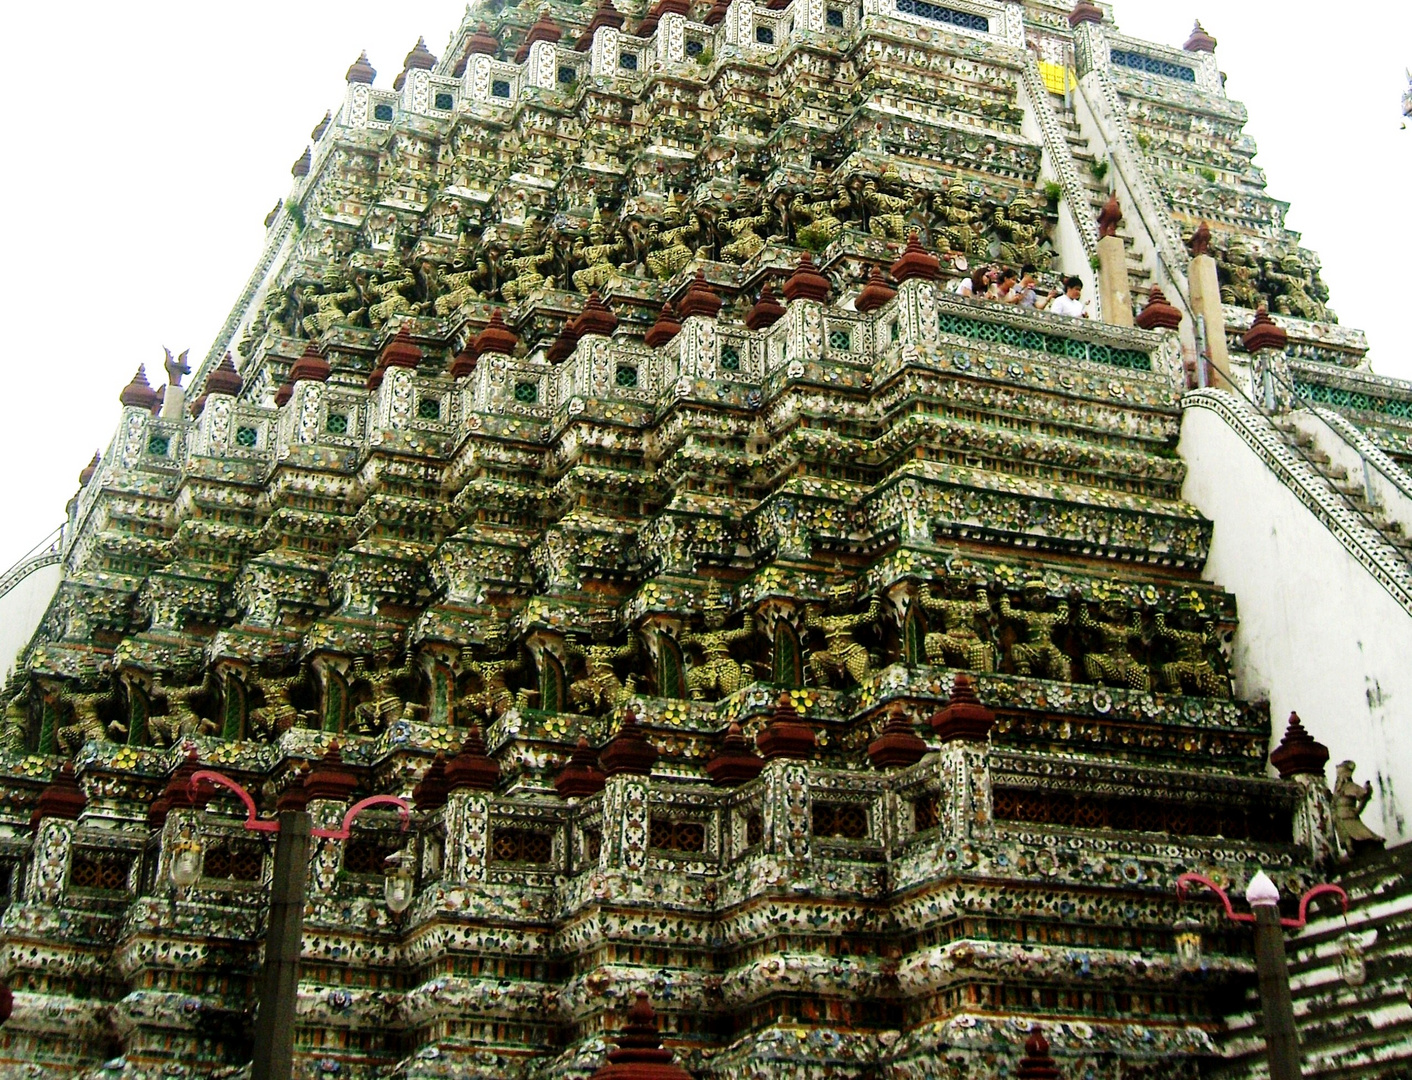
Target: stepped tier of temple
[{"x": 599, "y": 458}]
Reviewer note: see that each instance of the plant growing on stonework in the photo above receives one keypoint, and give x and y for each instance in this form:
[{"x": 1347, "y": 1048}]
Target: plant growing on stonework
[
  {"x": 1144, "y": 140},
  {"x": 1099, "y": 169},
  {"x": 296, "y": 214},
  {"x": 1209, "y": 175},
  {"x": 1093, "y": 261},
  {"x": 1053, "y": 190},
  {"x": 704, "y": 57}
]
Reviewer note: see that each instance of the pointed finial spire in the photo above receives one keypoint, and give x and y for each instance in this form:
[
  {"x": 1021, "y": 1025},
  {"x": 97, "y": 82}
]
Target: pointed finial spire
[
  {"x": 139, "y": 393},
  {"x": 1299, "y": 754},
  {"x": 1264, "y": 333},
  {"x": 321, "y": 126},
  {"x": 361, "y": 71},
  {"x": 86, "y": 476},
  {"x": 1200, "y": 40},
  {"x": 876, "y": 292},
  {"x": 766, "y": 311}
]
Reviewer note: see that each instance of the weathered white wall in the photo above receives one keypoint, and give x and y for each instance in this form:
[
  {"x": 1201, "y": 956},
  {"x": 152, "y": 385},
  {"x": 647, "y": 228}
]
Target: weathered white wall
[
  {"x": 1318, "y": 635},
  {"x": 21, "y": 609}
]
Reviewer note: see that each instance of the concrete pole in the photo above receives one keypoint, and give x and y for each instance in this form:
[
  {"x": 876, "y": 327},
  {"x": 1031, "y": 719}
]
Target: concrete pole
[
  {"x": 1114, "y": 296},
  {"x": 279, "y": 978},
  {"x": 1281, "y": 1041},
  {"x": 1205, "y": 289}
]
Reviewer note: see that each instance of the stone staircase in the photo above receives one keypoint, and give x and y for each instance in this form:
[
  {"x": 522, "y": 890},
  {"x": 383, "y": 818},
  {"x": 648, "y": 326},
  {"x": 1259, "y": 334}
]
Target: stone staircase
[
  {"x": 1139, "y": 274},
  {"x": 1346, "y": 1031},
  {"x": 1350, "y": 487}
]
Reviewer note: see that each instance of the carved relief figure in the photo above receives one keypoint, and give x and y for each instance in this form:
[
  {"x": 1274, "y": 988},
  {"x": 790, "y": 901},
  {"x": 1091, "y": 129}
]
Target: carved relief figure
[
  {"x": 599, "y": 689},
  {"x": 719, "y": 674},
  {"x": 1108, "y": 660},
  {"x": 954, "y": 642},
  {"x": 494, "y": 696},
  {"x": 843, "y": 657},
  {"x": 1194, "y": 643},
  {"x": 1350, "y": 800},
  {"x": 1035, "y": 652}
]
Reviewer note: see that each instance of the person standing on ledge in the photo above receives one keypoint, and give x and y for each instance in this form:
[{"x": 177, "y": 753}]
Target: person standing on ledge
[{"x": 1070, "y": 304}]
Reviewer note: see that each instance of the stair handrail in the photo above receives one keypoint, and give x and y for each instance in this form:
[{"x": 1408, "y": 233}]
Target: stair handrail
[
  {"x": 1371, "y": 456},
  {"x": 1075, "y": 193},
  {"x": 45, "y": 553}
]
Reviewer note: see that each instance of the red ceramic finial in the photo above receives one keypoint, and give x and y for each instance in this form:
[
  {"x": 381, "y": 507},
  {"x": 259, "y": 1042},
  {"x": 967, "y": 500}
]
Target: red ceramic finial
[
  {"x": 310, "y": 366},
  {"x": 875, "y": 294},
  {"x": 362, "y": 71},
  {"x": 628, "y": 752},
  {"x": 1299, "y": 754},
  {"x": 495, "y": 338},
  {"x": 284, "y": 392},
  {"x": 60, "y": 798},
  {"x": 605, "y": 15},
  {"x": 86, "y": 476},
  {"x": 544, "y": 29},
  {"x": 806, "y": 283},
  {"x": 1200, "y": 240},
  {"x": 564, "y": 345},
  {"x": 330, "y": 778},
  {"x": 1264, "y": 333},
  {"x": 301, "y": 167},
  {"x": 1110, "y": 217},
  {"x": 735, "y": 762},
  {"x": 664, "y": 329},
  {"x": 595, "y": 318},
  {"x": 1158, "y": 313},
  {"x": 717, "y": 14},
  {"x": 224, "y": 379},
  {"x": 581, "y": 777},
  {"x": 964, "y": 716},
  {"x": 1085, "y": 12},
  {"x": 640, "y": 1054},
  {"x": 1200, "y": 40},
  {"x": 321, "y": 126},
  {"x": 916, "y": 262},
  {"x": 700, "y": 298},
  {"x": 431, "y": 790},
  {"x": 472, "y": 768},
  {"x": 764, "y": 312},
  {"x": 401, "y": 351},
  {"x": 139, "y": 393},
  {"x": 786, "y": 735},
  {"x": 1037, "y": 1064},
  {"x": 898, "y": 744}
]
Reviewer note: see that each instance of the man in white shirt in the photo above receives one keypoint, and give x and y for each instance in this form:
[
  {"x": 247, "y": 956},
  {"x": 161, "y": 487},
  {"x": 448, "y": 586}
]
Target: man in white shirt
[{"x": 1070, "y": 304}]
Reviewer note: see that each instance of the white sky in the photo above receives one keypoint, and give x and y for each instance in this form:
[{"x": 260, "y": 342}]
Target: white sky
[{"x": 148, "y": 141}]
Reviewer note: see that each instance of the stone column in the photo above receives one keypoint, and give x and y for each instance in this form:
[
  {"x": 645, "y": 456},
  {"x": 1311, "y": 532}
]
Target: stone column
[
  {"x": 1114, "y": 298},
  {"x": 1205, "y": 290}
]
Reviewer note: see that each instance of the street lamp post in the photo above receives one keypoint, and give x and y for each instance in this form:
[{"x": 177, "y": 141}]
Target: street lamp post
[
  {"x": 279, "y": 975},
  {"x": 1281, "y": 1040}
]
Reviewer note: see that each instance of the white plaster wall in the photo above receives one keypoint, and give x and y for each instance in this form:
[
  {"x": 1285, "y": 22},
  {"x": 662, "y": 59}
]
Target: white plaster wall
[
  {"x": 21, "y": 609},
  {"x": 1318, "y": 635}
]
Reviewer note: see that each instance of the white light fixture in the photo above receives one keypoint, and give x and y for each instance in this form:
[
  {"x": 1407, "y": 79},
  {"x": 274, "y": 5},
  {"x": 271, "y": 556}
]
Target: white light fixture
[
  {"x": 186, "y": 862},
  {"x": 1261, "y": 890},
  {"x": 397, "y": 885}
]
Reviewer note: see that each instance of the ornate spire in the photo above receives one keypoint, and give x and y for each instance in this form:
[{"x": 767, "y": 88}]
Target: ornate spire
[
  {"x": 786, "y": 735},
  {"x": 876, "y": 292},
  {"x": 700, "y": 298},
  {"x": 1110, "y": 216},
  {"x": 321, "y": 127},
  {"x": 496, "y": 337},
  {"x": 224, "y": 379},
  {"x": 177, "y": 795},
  {"x": 664, "y": 329},
  {"x": 1299, "y": 754},
  {"x": 1200, "y": 240},
  {"x": 898, "y": 744},
  {"x": 605, "y": 15},
  {"x": 595, "y": 318},
  {"x": 544, "y": 29},
  {"x": 563, "y": 345},
  {"x": 1200, "y": 40},
  {"x": 139, "y": 393},
  {"x": 717, "y": 14},
  {"x": 419, "y": 59},
  {"x": 61, "y": 797},
  {"x": 1037, "y": 1064},
  {"x": 482, "y": 42},
  {"x": 301, "y": 167},
  {"x": 362, "y": 71},
  {"x": 430, "y": 791},
  {"x": 1264, "y": 333},
  {"x": 1085, "y": 12},
  {"x": 472, "y": 768},
  {"x": 806, "y": 283},
  {"x": 311, "y": 366},
  {"x": 916, "y": 262},
  {"x": 735, "y": 762},
  {"x": 964, "y": 716},
  {"x": 401, "y": 351},
  {"x": 1158, "y": 313},
  {"x": 581, "y": 776},
  {"x": 766, "y": 311},
  {"x": 330, "y": 778},
  {"x": 628, "y": 751},
  {"x": 640, "y": 1054},
  {"x": 86, "y": 476}
]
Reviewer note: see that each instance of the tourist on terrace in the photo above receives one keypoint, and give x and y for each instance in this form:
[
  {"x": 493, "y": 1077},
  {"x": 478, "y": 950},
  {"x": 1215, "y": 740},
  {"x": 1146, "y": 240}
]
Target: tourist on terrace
[
  {"x": 1007, "y": 290},
  {"x": 1028, "y": 290},
  {"x": 977, "y": 285},
  {"x": 1070, "y": 304}
]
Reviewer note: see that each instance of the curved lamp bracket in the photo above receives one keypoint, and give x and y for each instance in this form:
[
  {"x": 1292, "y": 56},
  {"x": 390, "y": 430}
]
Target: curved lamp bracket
[{"x": 1236, "y": 916}]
